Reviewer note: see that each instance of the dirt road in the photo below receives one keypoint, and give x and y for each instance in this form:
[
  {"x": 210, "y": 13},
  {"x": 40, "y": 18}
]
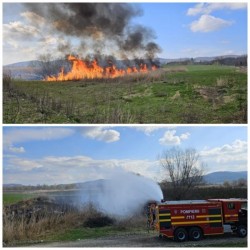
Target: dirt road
[{"x": 145, "y": 239}]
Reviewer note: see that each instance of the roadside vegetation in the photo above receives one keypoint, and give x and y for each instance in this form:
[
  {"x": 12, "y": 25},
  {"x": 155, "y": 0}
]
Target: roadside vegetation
[
  {"x": 66, "y": 225},
  {"x": 28, "y": 220},
  {"x": 172, "y": 94}
]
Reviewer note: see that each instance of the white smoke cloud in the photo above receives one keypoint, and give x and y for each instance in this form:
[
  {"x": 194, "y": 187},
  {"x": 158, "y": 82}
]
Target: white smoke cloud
[
  {"x": 123, "y": 194},
  {"x": 19, "y": 30},
  {"x": 34, "y": 18}
]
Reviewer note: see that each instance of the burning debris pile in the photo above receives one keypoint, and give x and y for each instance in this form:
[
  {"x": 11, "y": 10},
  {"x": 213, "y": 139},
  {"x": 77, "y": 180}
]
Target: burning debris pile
[
  {"x": 95, "y": 30},
  {"x": 35, "y": 208}
]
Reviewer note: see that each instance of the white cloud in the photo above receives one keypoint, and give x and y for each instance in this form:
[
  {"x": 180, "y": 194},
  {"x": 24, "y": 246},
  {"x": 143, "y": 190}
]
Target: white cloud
[
  {"x": 101, "y": 134},
  {"x": 148, "y": 130},
  {"x": 52, "y": 170},
  {"x": 19, "y": 35},
  {"x": 207, "y": 8},
  {"x": 224, "y": 41},
  {"x": 16, "y": 150},
  {"x": 20, "y": 165},
  {"x": 44, "y": 134},
  {"x": 170, "y": 138},
  {"x": 208, "y": 23},
  {"x": 15, "y": 136},
  {"x": 227, "y": 157}
]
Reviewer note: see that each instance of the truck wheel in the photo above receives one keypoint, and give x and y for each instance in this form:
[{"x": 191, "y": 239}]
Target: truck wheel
[
  {"x": 180, "y": 234},
  {"x": 195, "y": 233},
  {"x": 242, "y": 231}
]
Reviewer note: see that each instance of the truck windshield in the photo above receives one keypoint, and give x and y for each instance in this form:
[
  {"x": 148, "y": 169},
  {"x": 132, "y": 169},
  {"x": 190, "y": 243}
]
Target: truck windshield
[{"x": 244, "y": 205}]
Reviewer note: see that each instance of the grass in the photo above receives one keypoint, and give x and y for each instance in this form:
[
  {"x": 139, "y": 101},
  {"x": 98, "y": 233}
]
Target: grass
[
  {"x": 88, "y": 233},
  {"x": 10, "y": 198},
  {"x": 83, "y": 233},
  {"x": 175, "y": 94}
]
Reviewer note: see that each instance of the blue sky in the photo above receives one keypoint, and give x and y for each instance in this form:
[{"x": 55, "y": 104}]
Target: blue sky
[
  {"x": 181, "y": 30},
  {"x": 53, "y": 155}
]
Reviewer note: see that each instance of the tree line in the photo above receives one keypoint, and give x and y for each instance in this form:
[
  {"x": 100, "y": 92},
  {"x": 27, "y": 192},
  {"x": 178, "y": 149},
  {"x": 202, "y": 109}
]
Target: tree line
[{"x": 230, "y": 61}]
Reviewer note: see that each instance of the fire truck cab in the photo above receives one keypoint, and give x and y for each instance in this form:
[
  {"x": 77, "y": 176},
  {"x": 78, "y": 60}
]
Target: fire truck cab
[{"x": 193, "y": 219}]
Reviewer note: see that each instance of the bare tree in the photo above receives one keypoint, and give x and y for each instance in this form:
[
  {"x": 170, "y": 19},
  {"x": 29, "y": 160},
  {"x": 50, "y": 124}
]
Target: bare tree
[
  {"x": 184, "y": 170},
  {"x": 50, "y": 66}
]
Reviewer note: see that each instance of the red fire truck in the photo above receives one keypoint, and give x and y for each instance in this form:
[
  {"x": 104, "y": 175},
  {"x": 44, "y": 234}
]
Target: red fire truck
[{"x": 193, "y": 219}]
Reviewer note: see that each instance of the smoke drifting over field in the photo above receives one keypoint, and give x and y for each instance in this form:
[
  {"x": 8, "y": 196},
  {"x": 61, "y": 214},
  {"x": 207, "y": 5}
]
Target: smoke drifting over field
[
  {"x": 123, "y": 194},
  {"x": 99, "y": 27}
]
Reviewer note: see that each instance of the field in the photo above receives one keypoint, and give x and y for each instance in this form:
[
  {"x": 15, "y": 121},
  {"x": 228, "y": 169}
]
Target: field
[
  {"x": 10, "y": 198},
  {"x": 173, "y": 94}
]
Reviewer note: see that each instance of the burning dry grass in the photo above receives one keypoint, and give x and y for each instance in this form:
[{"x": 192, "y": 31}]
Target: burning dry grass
[
  {"x": 85, "y": 69},
  {"x": 149, "y": 76}
]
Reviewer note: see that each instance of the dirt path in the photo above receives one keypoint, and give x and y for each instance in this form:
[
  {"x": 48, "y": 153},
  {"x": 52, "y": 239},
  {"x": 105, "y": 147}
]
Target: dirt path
[{"x": 144, "y": 240}]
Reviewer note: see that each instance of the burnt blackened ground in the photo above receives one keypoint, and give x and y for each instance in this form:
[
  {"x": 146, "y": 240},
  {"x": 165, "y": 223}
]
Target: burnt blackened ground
[{"x": 38, "y": 207}]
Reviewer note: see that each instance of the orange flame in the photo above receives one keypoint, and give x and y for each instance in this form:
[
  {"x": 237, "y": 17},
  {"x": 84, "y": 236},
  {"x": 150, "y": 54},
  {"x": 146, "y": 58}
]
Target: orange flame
[{"x": 92, "y": 70}]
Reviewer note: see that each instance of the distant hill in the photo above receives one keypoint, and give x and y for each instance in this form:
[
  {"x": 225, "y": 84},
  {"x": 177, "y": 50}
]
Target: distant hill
[
  {"x": 212, "y": 178},
  {"x": 92, "y": 184},
  {"x": 222, "y": 176},
  {"x": 22, "y": 64},
  {"x": 28, "y": 70},
  {"x": 10, "y": 185}
]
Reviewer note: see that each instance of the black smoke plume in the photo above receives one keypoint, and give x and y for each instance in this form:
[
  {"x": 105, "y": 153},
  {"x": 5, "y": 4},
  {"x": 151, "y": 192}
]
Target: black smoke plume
[{"x": 99, "y": 22}]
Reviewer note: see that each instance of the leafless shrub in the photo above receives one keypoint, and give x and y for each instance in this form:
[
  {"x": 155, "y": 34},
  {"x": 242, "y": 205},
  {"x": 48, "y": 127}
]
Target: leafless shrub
[
  {"x": 117, "y": 114},
  {"x": 69, "y": 107},
  {"x": 99, "y": 220},
  {"x": 212, "y": 95},
  {"x": 56, "y": 104},
  {"x": 177, "y": 95},
  {"x": 134, "y": 221},
  {"x": 7, "y": 79},
  {"x": 191, "y": 114},
  {"x": 222, "y": 82},
  {"x": 10, "y": 93}
]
